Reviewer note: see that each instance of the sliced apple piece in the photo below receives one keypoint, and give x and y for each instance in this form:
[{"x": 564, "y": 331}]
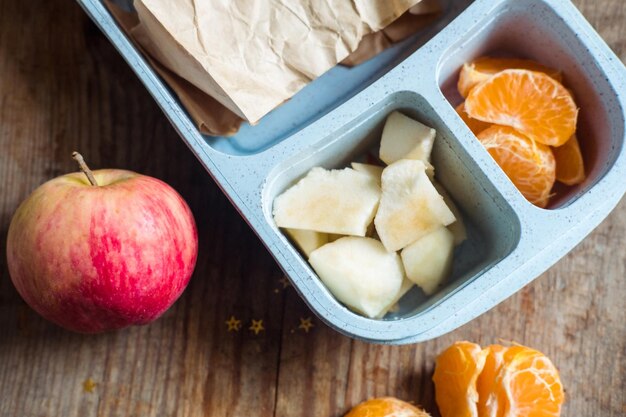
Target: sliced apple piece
[
  {"x": 360, "y": 273},
  {"x": 406, "y": 286},
  {"x": 430, "y": 170},
  {"x": 410, "y": 206},
  {"x": 458, "y": 227},
  {"x": 374, "y": 170},
  {"x": 307, "y": 240},
  {"x": 405, "y": 138},
  {"x": 332, "y": 237},
  {"x": 428, "y": 261},
  {"x": 339, "y": 201}
]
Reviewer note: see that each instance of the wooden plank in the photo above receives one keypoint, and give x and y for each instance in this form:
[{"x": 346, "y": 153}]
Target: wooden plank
[{"x": 63, "y": 87}]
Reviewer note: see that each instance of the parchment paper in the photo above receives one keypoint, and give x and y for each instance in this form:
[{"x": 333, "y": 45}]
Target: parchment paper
[
  {"x": 253, "y": 55},
  {"x": 212, "y": 117}
]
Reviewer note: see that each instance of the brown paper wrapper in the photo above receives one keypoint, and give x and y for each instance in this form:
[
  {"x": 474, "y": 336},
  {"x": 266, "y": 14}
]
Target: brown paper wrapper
[
  {"x": 211, "y": 118},
  {"x": 214, "y": 119},
  {"x": 252, "y": 56},
  {"x": 399, "y": 30}
]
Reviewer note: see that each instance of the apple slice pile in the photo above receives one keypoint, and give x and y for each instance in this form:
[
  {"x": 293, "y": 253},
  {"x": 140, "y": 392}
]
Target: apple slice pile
[{"x": 371, "y": 232}]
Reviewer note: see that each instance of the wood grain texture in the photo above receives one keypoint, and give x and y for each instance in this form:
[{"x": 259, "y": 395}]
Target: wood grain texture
[{"x": 63, "y": 88}]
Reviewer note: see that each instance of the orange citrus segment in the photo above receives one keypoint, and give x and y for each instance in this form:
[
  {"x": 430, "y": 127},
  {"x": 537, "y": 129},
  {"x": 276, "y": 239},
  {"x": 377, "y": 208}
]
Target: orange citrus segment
[
  {"x": 529, "y": 384},
  {"x": 474, "y": 125},
  {"x": 456, "y": 372},
  {"x": 483, "y": 68},
  {"x": 570, "y": 168},
  {"x": 530, "y": 166},
  {"x": 530, "y": 102},
  {"x": 514, "y": 381},
  {"x": 488, "y": 402},
  {"x": 386, "y": 407}
]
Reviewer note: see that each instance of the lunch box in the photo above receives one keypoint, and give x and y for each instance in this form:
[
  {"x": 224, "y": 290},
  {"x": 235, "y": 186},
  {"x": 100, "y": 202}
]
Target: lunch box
[{"x": 340, "y": 115}]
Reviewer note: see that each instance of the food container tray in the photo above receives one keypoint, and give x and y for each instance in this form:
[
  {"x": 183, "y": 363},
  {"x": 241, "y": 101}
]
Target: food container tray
[{"x": 340, "y": 115}]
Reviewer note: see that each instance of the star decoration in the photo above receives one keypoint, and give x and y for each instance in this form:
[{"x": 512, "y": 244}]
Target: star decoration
[
  {"x": 233, "y": 324},
  {"x": 306, "y": 324},
  {"x": 257, "y": 326},
  {"x": 285, "y": 282},
  {"x": 89, "y": 385}
]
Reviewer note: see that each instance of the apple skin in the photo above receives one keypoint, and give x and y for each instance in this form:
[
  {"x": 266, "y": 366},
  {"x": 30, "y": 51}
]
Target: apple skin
[{"x": 98, "y": 258}]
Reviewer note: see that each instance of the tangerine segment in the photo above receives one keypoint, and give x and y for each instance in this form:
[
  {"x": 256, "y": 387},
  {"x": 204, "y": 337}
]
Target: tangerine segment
[
  {"x": 570, "y": 168},
  {"x": 456, "y": 372},
  {"x": 528, "y": 385},
  {"x": 474, "y": 125},
  {"x": 531, "y": 102},
  {"x": 483, "y": 68},
  {"x": 386, "y": 407},
  {"x": 488, "y": 402},
  {"x": 529, "y": 165}
]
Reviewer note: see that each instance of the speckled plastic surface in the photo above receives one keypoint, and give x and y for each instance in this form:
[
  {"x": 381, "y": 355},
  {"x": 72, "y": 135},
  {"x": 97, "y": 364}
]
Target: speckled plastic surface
[{"x": 340, "y": 115}]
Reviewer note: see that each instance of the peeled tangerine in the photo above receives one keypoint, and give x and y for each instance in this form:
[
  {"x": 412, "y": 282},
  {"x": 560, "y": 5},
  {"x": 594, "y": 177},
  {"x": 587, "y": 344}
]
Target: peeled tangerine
[
  {"x": 497, "y": 381},
  {"x": 405, "y": 138},
  {"x": 530, "y": 166},
  {"x": 428, "y": 261},
  {"x": 570, "y": 167},
  {"x": 456, "y": 372},
  {"x": 533, "y": 103},
  {"x": 360, "y": 273},
  {"x": 526, "y": 384},
  {"x": 338, "y": 201},
  {"x": 476, "y": 126},
  {"x": 386, "y": 407},
  {"x": 410, "y": 206},
  {"x": 484, "y": 68}
]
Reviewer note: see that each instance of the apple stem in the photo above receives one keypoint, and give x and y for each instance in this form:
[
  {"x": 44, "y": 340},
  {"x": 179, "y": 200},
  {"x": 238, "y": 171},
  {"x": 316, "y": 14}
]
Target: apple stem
[{"x": 83, "y": 167}]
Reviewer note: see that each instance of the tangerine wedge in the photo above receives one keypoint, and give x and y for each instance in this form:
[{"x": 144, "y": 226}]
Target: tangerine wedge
[
  {"x": 456, "y": 373},
  {"x": 483, "y": 68},
  {"x": 486, "y": 383},
  {"x": 529, "y": 165},
  {"x": 476, "y": 126},
  {"x": 570, "y": 168},
  {"x": 531, "y": 102},
  {"x": 386, "y": 407},
  {"x": 514, "y": 381},
  {"x": 527, "y": 385}
]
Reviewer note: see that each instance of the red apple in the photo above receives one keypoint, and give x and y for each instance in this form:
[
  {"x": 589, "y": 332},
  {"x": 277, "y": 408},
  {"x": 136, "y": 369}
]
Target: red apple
[{"x": 92, "y": 258}]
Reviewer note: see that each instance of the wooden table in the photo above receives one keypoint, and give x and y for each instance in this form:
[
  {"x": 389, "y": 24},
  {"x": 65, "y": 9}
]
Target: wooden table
[{"x": 63, "y": 87}]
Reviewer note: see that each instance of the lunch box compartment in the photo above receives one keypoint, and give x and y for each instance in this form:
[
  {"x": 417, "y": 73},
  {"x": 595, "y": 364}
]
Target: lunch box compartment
[
  {"x": 493, "y": 227},
  {"x": 531, "y": 29},
  {"x": 340, "y": 116}
]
